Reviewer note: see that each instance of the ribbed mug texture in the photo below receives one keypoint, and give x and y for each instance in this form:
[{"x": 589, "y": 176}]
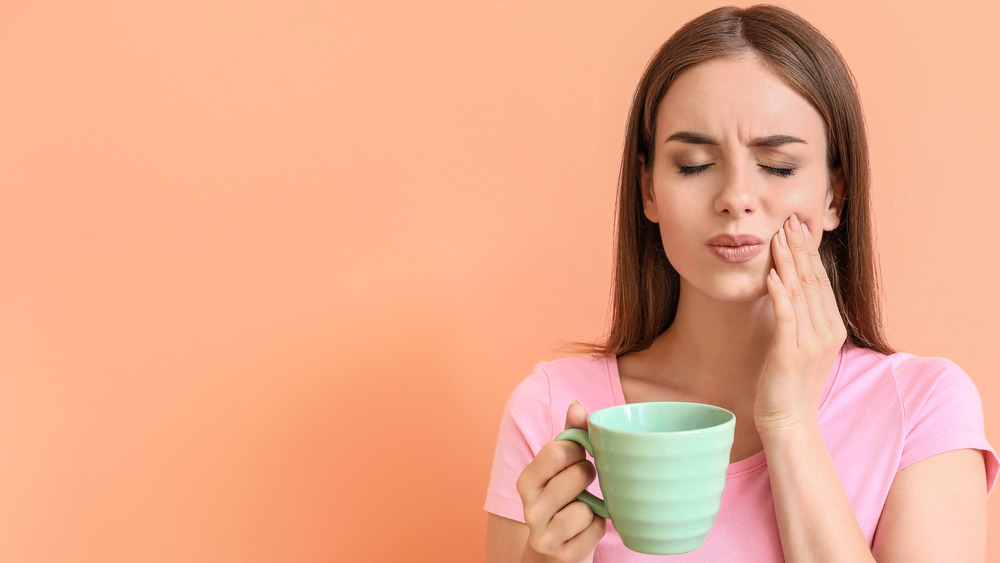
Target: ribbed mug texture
[{"x": 662, "y": 470}]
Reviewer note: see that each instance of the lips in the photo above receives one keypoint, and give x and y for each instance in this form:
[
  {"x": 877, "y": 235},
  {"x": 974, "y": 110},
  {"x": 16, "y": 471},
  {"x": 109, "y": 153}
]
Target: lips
[{"x": 735, "y": 249}]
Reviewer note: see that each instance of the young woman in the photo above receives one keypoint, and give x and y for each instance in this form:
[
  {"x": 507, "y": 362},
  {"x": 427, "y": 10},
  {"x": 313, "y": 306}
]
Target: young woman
[{"x": 745, "y": 278}]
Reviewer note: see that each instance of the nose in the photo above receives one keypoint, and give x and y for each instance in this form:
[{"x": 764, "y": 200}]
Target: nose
[{"x": 737, "y": 196}]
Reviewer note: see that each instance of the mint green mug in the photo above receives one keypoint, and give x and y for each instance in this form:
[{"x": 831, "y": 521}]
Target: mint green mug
[{"x": 661, "y": 468}]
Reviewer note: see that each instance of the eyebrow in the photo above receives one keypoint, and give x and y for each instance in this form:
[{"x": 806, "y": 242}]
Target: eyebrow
[{"x": 770, "y": 141}]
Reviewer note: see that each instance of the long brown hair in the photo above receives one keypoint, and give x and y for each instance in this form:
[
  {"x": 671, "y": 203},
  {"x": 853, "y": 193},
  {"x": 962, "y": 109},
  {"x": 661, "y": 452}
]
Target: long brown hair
[{"x": 646, "y": 286}]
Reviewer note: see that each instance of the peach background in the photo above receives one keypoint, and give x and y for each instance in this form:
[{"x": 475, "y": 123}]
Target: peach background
[{"x": 270, "y": 269}]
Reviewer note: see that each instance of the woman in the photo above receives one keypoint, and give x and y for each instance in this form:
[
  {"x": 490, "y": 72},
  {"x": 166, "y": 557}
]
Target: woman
[{"x": 745, "y": 278}]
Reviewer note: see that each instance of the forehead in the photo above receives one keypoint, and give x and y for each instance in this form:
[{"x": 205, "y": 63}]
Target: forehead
[{"x": 736, "y": 98}]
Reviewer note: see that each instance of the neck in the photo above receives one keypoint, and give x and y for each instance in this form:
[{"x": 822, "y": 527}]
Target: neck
[{"x": 722, "y": 345}]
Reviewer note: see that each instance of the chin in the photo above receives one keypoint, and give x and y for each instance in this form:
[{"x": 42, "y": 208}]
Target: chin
[
  {"x": 749, "y": 296},
  {"x": 738, "y": 289}
]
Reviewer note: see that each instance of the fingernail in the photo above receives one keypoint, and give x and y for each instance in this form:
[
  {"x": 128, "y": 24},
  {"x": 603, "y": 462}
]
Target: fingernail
[
  {"x": 781, "y": 238},
  {"x": 794, "y": 222},
  {"x": 805, "y": 232}
]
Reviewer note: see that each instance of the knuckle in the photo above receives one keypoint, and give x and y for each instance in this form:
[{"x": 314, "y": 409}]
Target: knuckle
[
  {"x": 840, "y": 335},
  {"x": 809, "y": 280},
  {"x": 567, "y": 453},
  {"x": 547, "y": 449},
  {"x": 527, "y": 482},
  {"x": 784, "y": 316},
  {"x": 550, "y": 540},
  {"x": 539, "y": 543},
  {"x": 558, "y": 453},
  {"x": 829, "y": 336},
  {"x": 586, "y": 474},
  {"x": 533, "y": 516},
  {"x": 582, "y": 472},
  {"x": 522, "y": 485},
  {"x": 582, "y": 515},
  {"x": 824, "y": 284},
  {"x": 796, "y": 293}
]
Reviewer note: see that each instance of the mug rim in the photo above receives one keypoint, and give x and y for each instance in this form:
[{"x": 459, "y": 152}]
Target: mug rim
[{"x": 730, "y": 418}]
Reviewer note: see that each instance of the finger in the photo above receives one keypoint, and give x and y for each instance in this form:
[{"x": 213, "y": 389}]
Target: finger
[
  {"x": 554, "y": 458},
  {"x": 830, "y": 306},
  {"x": 576, "y": 415},
  {"x": 568, "y": 523},
  {"x": 564, "y": 487},
  {"x": 551, "y": 460},
  {"x": 588, "y": 538},
  {"x": 807, "y": 276},
  {"x": 584, "y": 530},
  {"x": 784, "y": 318},
  {"x": 784, "y": 265},
  {"x": 559, "y": 491}
]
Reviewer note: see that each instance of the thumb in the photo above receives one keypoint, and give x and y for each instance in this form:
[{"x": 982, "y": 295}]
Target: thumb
[{"x": 576, "y": 415}]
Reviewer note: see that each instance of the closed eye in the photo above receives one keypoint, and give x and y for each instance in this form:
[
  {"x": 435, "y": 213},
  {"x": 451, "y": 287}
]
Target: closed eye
[
  {"x": 692, "y": 170},
  {"x": 782, "y": 172}
]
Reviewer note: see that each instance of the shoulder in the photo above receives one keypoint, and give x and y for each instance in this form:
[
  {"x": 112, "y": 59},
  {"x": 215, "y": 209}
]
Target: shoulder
[
  {"x": 913, "y": 377},
  {"x": 583, "y": 374},
  {"x": 936, "y": 396},
  {"x": 547, "y": 391},
  {"x": 935, "y": 400},
  {"x": 917, "y": 395},
  {"x": 917, "y": 380},
  {"x": 915, "y": 406},
  {"x": 921, "y": 377},
  {"x": 575, "y": 371}
]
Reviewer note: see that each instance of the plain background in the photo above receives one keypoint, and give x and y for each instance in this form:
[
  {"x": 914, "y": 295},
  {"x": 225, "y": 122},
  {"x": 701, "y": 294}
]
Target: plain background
[{"x": 271, "y": 269}]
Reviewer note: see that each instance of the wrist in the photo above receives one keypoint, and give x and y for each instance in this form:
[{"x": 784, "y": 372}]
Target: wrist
[{"x": 789, "y": 430}]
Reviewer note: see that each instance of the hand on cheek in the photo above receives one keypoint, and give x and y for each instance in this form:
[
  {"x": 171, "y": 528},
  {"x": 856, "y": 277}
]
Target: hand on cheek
[{"x": 808, "y": 330}]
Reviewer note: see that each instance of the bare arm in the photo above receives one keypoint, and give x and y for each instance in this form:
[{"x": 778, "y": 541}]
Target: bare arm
[
  {"x": 815, "y": 520},
  {"x": 507, "y": 542},
  {"x": 936, "y": 508},
  {"x": 505, "y": 539},
  {"x": 936, "y": 511}
]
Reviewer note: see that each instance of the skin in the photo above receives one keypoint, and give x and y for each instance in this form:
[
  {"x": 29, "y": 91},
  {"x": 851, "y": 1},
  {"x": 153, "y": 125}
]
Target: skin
[{"x": 757, "y": 337}]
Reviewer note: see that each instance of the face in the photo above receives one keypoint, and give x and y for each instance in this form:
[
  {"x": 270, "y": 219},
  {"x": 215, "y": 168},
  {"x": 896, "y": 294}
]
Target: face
[{"x": 737, "y": 153}]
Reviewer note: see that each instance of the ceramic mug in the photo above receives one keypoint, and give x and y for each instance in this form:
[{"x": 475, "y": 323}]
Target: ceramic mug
[{"x": 662, "y": 468}]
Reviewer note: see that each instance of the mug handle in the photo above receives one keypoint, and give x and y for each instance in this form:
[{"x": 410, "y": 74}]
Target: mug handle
[{"x": 582, "y": 437}]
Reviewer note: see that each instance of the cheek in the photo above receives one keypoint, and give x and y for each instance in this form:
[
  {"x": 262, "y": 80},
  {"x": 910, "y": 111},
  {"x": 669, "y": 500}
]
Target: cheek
[
  {"x": 679, "y": 236},
  {"x": 675, "y": 216},
  {"x": 812, "y": 215},
  {"x": 678, "y": 202},
  {"x": 808, "y": 201}
]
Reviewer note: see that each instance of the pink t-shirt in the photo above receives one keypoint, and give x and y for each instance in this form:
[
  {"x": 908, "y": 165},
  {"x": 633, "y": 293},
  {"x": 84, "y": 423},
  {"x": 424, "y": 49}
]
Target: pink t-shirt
[{"x": 878, "y": 414}]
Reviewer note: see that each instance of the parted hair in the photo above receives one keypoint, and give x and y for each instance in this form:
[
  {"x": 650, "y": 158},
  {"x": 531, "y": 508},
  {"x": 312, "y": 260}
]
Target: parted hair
[{"x": 646, "y": 286}]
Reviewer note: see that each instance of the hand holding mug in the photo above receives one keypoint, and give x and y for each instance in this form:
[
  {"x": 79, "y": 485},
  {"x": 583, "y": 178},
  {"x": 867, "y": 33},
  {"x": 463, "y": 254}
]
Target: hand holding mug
[
  {"x": 559, "y": 526},
  {"x": 662, "y": 469},
  {"x": 808, "y": 330}
]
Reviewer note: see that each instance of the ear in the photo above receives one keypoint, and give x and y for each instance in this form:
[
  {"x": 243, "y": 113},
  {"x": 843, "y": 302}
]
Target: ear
[
  {"x": 648, "y": 198},
  {"x": 834, "y": 200}
]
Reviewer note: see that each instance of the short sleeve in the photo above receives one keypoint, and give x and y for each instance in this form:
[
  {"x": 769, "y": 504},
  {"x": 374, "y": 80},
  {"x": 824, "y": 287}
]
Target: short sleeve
[
  {"x": 526, "y": 426},
  {"x": 942, "y": 412}
]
